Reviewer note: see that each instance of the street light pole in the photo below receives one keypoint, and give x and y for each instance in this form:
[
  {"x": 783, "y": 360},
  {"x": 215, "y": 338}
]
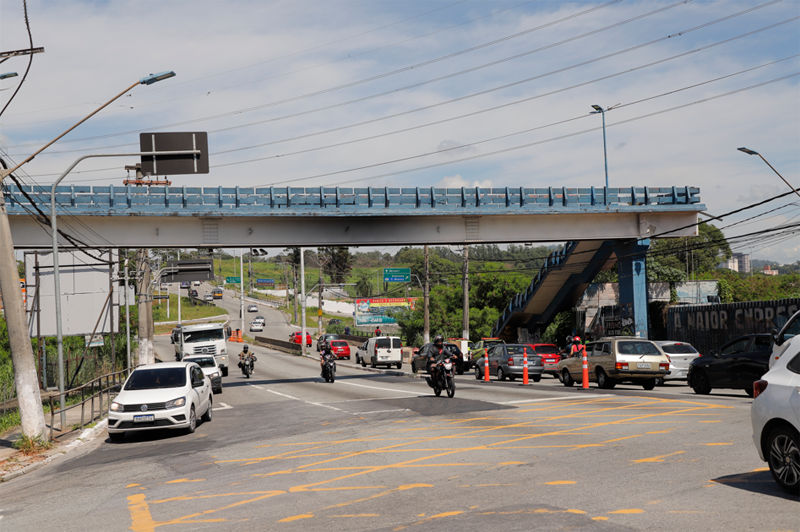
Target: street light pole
[
  {"x": 751, "y": 152},
  {"x": 598, "y": 109}
]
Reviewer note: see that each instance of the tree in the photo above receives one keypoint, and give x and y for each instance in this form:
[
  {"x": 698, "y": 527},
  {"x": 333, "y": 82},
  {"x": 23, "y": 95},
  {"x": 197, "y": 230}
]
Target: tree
[
  {"x": 694, "y": 254},
  {"x": 364, "y": 285},
  {"x": 337, "y": 263}
]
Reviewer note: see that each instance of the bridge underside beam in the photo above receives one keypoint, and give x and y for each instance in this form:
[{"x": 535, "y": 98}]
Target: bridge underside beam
[{"x": 145, "y": 231}]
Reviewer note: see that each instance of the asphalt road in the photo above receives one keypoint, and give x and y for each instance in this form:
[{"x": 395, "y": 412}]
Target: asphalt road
[{"x": 287, "y": 451}]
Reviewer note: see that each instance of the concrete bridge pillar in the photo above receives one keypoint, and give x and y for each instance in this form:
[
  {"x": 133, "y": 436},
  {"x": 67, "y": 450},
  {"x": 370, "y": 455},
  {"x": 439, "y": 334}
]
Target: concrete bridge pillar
[{"x": 632, "y": 269}]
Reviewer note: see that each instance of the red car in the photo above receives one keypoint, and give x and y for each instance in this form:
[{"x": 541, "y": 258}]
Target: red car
[
  {"x": 341, "y": 349},
  {"x": 296, "y": 336},
  {"x": 550, "y": 357}
]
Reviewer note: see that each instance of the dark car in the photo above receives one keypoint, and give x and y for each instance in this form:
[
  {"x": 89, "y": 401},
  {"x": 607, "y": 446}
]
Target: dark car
[
  {"x": 455, "y": 352},
  {"x": 334, "y": 321},
  {"x": 737, "y": 364},
  {"x": 193, "y": 293}
]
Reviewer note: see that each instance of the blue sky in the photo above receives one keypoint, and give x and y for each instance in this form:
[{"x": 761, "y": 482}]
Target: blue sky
[{"x": 297, "y": 89}]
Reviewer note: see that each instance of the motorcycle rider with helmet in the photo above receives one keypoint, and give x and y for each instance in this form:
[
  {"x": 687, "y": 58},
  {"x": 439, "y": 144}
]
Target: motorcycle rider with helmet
[
  {"x": 244, "y": 355},
  {"x": 433, "y": 352},
  {"x": 325, "y": 353}
]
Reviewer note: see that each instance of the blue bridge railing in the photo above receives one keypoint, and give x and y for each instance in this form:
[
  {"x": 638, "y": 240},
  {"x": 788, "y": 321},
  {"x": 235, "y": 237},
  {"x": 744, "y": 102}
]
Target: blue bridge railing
[
  {"x": 293, "y": 200},
  {"x": 555, "y": 260}
]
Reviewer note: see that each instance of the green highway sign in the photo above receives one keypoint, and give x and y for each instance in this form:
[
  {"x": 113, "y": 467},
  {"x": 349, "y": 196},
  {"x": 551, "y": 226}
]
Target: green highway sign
[
  {"x": 396, "y": 275},
  {"x": 236, "y": 280}
]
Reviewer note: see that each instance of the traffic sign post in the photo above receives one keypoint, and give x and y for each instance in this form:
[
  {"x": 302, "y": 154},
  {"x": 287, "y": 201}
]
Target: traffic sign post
[{"x": 233, "y": 280}]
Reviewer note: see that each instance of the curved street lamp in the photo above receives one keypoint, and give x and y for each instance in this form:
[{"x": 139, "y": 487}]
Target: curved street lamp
[
  {"x": 751, "y": 152},
  {"x": 598, "y": 109}
]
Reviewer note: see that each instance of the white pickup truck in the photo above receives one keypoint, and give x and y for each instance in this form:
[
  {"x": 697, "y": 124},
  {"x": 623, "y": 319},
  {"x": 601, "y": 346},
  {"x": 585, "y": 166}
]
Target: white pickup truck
[{"x": 203, "y": 339}]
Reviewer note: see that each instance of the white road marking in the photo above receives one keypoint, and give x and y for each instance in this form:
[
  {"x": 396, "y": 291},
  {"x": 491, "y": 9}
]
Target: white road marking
[
  {"x": 369, "y": 399},
  {"x": 225, "y": 406},
  {"x": 254, "y": 386},
  {"x": 307, "y": 402},
  {"x": 382, "y": 411},
  {"x": 551, "y": 399},
  {"x": 379, "y": 388}
]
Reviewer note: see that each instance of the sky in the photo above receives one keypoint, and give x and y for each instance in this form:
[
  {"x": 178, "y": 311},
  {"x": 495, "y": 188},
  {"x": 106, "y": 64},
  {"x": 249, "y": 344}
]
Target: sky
[{"x": 426, "y": 93}]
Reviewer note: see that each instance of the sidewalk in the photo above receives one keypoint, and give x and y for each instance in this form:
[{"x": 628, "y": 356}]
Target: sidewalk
[{"x": 13, "y": 463}]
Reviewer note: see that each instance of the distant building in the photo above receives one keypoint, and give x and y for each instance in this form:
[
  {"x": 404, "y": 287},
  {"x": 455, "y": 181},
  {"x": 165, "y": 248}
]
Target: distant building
[
  {"x": 739, "y": 262},
  {"x": 769, "y": 271}
]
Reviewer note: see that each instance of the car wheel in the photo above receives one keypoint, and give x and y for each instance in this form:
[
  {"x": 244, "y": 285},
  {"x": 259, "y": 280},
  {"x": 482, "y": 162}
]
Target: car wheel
[
  {"x": 116, "y": 436},
  {"x": 501, "y": 376},
  {"x": 512, "y": 377},
  {"x": 224, "y": 371},
  {"x": 566, "y": 378},
  {"x": 363, "y": 363},
  {"x": 784, "y": 458},
  {"x": 536, "y": 378},
  {"x": 372, "y": 363},
  {"x": 603, "y": 382},
  {"x": 207, "y": 416},
  {"x": 217, "y": 390},
  {"x": 649, "y": 384},
  {"x": 659, "y": 381},
  {"x": 700, "y": 383},
  {"x": 399, "y": 365},
  {"x": 749, "y": 392},
  {"x": 478, "y": 374},
  {"x": 192, "y": 421}
]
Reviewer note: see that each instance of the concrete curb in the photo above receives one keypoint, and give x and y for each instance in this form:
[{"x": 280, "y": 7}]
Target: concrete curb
[{"x": 85, "y": 437}]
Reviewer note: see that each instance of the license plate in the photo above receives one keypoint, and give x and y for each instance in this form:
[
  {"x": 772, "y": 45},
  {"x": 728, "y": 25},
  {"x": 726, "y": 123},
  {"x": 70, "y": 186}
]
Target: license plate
[
  {"x": 681, "y": 374},
  {"x": 146, "y": 417},
  {"x": 643, "y": 365},
  {"x": 383, "y": 358}
]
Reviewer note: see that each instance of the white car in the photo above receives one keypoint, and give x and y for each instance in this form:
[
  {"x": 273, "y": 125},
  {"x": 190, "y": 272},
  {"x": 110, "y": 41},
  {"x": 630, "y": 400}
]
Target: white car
[
  {"x": 257, "y": 326},
  {"x": 775, "y": 413},
  {"x": 161, "y": 396},
  {"x": 208, "y": 363},
  {"x": 680, "y": 355},
  {"x": 252, "y": 308}
]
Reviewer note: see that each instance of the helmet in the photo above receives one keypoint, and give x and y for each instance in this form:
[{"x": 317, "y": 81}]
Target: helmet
[
  {"x": 323, "y": 345},
  {"x": 570, "y": 339},
  {"x": 245, "y": 348},
  {"x": 438, "y": 340},
  {"x": 577, "y": 339}
]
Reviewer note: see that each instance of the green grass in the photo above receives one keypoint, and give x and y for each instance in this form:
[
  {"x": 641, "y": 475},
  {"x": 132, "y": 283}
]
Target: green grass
[
  {"x": 188, "y": 312},
  {"x": 9, "y": 420},
  {"x": 31, "y": 445}
]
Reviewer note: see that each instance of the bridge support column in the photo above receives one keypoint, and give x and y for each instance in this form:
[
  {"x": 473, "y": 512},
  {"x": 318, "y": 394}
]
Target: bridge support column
[{"x": 631, "y": 265}]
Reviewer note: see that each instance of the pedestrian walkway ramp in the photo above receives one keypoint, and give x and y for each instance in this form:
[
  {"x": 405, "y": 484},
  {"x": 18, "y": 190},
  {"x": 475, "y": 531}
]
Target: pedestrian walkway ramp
[{"x": 561, "y": 281}]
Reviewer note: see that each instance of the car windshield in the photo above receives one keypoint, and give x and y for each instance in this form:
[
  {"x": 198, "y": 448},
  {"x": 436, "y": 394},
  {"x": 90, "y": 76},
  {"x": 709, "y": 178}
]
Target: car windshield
[
  {"x": 203, "y": 362},
  {"x": 202, "y": 336},
  {"x": 546, "y": 349},
  {"x": 519, "y": 349},
  {"x": 679, "y": 349},
  {"x": 637, "y": 348},
  {"x": 339, "y": 343},
  {"x": 149, "y": 379},
  {"x": 452, "y": 348}
]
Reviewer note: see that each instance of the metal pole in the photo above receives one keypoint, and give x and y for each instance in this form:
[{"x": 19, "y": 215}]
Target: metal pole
[
  {"x": 605, "y": 153},
  {"x": 303, "y": 302},
  {"x": 111, "y": 312},
  {"x": 465, "y": 283},
  {"x": 241, "y": 287},
  {"x": 179, "y": 293},
  {"x": 319, "y": 295},
  {"x": 779, "y": 175},
  {"x": 127, "y": 316},
  {"x": 426, "y": 328},
  {"x": 38, "y": 302}
]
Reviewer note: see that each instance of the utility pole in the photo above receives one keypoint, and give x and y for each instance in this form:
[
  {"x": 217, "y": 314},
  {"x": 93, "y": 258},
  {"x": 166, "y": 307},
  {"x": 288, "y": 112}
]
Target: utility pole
[
  {"x": 465, "y": 284},
  {"x": 294, "y": 289},
  {"x": 145, "y": 353},
  {"x": 286, "y": 280},
  {"x": 303, "y": 295},
  {"x": 127, "y": 315},
  {"x": 179, "y": 295},
  {"x": 426, "y": 328},
  {"x": 319, "y": 293},
  {"x": 241, "y": 287}
]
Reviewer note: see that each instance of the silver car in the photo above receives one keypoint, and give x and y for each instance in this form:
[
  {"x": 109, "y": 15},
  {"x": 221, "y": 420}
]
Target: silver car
[
  {"x": 680, "y": 355},
  {"x": 506, "y": 361}
]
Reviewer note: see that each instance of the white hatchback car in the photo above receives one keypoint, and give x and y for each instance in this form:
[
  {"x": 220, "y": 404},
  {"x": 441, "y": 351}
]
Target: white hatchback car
[
  {"x": 775, "y": 413},
  {"x": 680, "y": 355},
  {"x": 161, "y": 396}
]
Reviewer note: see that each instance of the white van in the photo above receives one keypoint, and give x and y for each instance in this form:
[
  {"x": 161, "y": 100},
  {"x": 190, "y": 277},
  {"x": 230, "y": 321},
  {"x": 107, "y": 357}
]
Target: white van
[
  {"x": 203, "y": 339},
  {"x": 384, "y": 350}
]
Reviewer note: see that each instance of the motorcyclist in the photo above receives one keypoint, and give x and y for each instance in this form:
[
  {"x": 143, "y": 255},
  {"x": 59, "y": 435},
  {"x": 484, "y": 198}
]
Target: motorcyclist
[
  {"x": 433, "y": 352},
  {"x": 325, "y": 353},
  {"x": 245, "y": 355},
  {"x": 577, "y": 347}
]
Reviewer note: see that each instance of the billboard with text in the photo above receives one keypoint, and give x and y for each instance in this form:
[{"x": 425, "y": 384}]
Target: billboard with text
[{"x": 377, "y": 311}]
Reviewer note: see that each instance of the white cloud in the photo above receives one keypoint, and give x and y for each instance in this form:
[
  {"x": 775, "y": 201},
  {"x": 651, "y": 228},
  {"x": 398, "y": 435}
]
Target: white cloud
[
  {"x": 456, "y": 181},
  {"x": 454, "y": 149}
]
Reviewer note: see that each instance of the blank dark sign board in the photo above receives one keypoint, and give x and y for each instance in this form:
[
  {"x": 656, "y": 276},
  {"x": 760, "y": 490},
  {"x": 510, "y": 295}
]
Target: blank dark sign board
[{"x": 165, "y": 165}]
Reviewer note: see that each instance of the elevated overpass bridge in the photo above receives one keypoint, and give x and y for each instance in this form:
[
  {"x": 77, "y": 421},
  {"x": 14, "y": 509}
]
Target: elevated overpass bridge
[{"x": 592, "y": 221}]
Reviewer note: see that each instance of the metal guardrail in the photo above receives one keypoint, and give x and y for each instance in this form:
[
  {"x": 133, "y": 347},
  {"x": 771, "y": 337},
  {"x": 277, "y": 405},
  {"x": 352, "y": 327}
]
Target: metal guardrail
[
  {"x": 111, "y": 380},
  {"x": 283, "y": 200}
]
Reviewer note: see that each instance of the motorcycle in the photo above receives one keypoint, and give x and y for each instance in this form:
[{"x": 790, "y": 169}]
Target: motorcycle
[
  {"x": 442, "y": 378},
  {"x": 248, "y": 365},
  {"x": 329, "y": 369}
]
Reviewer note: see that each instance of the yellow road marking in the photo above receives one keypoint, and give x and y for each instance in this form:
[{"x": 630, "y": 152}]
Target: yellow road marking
[
  {"x": 628, "y": 511},
  {"x": 184, "y": 480},
  {"x": 560, "y": 482},
  {"x": 656, "y": 458},
  {"x": 296, "y": 517}
]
